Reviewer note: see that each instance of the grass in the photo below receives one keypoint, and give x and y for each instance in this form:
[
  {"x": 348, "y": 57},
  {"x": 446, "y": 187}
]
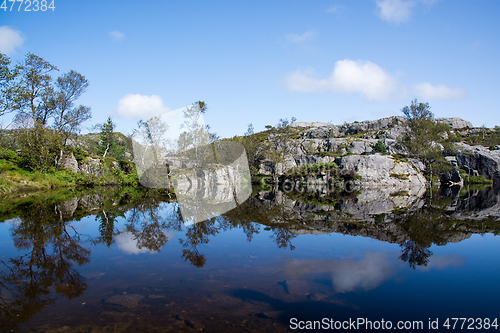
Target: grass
[
  {"x": 401, "y": 176},
  {"x": 480, "y": 180},
  {"x": 15, "y": 178}
]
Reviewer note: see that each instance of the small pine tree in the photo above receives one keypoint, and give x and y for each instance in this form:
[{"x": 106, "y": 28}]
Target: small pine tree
[
  {"x": 107, "y": 140},
  {"x": 380, "y": 147}
]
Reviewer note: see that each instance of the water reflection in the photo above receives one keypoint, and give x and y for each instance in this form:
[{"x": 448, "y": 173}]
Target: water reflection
[
  {"x": 49, "y": 248},
  {"x": 138, "y": 221},
  {"x": 361, "y": 274}
]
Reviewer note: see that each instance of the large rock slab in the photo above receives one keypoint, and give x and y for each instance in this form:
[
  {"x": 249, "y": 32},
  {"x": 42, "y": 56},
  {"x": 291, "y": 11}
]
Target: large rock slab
[
  {"x": 455, "y": 123},
  {"x": 381, "y": 170}
]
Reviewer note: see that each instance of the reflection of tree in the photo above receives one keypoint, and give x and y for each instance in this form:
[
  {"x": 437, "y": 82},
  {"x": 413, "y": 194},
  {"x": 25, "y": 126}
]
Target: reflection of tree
[
  {"x": 275, "y": 217},
  {"x": 147, "y": 223},
  {"x": 198, "y": 234},
  {"x": 106, "y": 226},
  {"x": 283, "y": 237},
  {"x": 414, "y": 254},
  {"x": 423, "y": 227},
  {"x": 28, "y": 282}
]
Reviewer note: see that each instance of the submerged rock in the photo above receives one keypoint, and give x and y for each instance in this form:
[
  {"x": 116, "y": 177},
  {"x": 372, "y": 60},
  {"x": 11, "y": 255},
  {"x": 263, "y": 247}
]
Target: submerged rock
[{"x": 127, "y": 300}]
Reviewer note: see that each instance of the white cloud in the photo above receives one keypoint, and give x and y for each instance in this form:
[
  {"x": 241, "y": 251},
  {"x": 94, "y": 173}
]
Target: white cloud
[
  {"x": 10, "y": 40},
  {"x": 395, "y": 11},
  {"x": 117, "y": 35},
  {"x": 429, "y": 92},
  {"x": 141, "y": 106},
  {"x": 349, "y": 76},
  {"x": 334, "y": 9},
  {"x": 299, "y": 39}
]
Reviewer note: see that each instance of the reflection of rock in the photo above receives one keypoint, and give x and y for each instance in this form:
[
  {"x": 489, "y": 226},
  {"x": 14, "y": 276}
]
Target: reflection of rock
[
  {"x": 380, "y": 213},
  {"x": 68, "y": 207},
  {"x": 128, "y": 300},
  {"x": 210, "y": 189}
]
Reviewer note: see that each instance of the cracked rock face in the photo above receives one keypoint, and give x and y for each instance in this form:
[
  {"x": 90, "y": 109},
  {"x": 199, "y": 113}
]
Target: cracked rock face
[{"x": 480, "y": 160}]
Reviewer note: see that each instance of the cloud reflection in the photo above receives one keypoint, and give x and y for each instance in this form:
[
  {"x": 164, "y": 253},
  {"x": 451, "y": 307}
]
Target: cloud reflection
[
  {"x": 366, "y": 273},
  {"x": 127, "y": 243},
  {"x": 443, "y": 262}
]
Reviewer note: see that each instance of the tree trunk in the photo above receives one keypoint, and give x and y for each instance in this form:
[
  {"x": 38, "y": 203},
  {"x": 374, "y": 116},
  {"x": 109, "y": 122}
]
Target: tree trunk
[{"x": 106, "y": 151}]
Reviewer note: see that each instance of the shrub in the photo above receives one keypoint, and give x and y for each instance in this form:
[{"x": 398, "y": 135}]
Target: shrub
[
  {"x": 11, "y": 155},
  {"x": 380, "y": 147}
]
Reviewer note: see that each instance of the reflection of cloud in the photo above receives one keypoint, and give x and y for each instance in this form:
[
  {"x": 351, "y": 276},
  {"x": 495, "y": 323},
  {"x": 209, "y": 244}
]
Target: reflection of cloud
[
  {"x": 10, "y": 40},
  {"x": 442, "y": 262},
  {"x": 128, "y": 244},
  {"x": 365, "y": 274},
  {"x": 14, "y": 222},
  {"x": 349, "y": 275}
]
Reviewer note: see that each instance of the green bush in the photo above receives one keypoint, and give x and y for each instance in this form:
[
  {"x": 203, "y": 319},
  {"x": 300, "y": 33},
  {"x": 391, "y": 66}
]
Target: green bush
[
  {"x": 11, "y": 155},
  {"x": 380, "y": 147}
]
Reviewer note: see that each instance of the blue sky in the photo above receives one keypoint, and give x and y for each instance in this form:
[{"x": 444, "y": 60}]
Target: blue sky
[{"x": 258, "y": 61}]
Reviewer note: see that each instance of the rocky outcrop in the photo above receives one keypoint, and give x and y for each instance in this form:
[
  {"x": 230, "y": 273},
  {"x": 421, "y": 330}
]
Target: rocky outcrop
[
  {"x": 92, "y": 166},
  {"x": 479, "y": 160},
  {"x": 455, "y": 123},
  {"x": 385, "y": 128},
  {"x": 380, "y": 170},
  {"x": 319, "y": 142},
  {"x": 452, "y": 177}
]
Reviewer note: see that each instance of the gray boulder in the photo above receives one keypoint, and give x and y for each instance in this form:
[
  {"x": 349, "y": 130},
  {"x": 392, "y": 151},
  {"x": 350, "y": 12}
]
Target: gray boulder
[
  {"x": 455, "y": 123},
  {"x": 69, "y": 162},
  {"x": 92, "y": 166}
]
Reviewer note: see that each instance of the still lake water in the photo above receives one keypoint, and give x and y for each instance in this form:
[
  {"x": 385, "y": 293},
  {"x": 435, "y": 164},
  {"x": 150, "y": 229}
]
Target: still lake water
[{"x": 115, "y": 260}]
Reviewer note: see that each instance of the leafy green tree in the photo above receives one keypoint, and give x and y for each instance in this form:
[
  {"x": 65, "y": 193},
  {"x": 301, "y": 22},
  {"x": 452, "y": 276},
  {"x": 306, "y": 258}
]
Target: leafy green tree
[
  {"x": 34, "y": 93},
  {"x": 29, "y": 90},
  {"x": 7, "y": 77},
  {"x": 68, "y": 118},
  {"x": 422, "y": 137},
  {"x": 40, "y": 147}
]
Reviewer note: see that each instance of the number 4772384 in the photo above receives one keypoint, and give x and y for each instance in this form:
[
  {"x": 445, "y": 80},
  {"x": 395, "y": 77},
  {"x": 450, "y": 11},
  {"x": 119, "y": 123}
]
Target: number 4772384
[{"x": 29, "y": 5}]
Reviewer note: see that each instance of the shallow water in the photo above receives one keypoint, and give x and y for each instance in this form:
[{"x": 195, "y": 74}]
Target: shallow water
[{"x": 107, "y": 262}]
